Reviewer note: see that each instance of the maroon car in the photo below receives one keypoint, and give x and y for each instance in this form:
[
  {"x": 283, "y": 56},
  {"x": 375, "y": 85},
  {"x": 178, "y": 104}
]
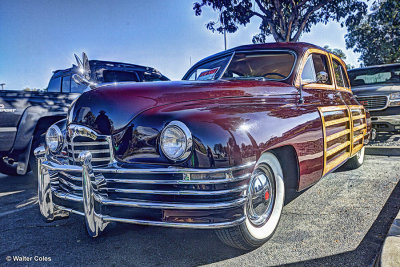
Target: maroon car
[{"x": 244, "y": 132}]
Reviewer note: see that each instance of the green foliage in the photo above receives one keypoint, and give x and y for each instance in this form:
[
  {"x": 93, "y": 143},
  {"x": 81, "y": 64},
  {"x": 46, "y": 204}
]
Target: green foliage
[
  {"x": 285, "y": 20},
  {"x": 336, "y": 51},
  {"x": 339, "y": 53},
  {"x": 377, "y": 37}
]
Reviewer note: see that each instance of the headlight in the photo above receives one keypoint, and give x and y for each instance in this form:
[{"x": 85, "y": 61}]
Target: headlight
[
  {"x": 176, "y": 141},
  {"x": 395, "y": 96},
  {"x": 395, "y": 99},
  {"x": 54, "y": 138}
]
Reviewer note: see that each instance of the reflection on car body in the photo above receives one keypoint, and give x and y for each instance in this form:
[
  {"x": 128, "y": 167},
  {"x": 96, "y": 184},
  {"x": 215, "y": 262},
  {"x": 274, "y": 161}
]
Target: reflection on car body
[{"x": 223, "y": 149}]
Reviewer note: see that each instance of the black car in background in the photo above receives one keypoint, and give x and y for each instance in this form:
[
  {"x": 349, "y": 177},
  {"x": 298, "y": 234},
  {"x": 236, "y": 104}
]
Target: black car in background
[
  {"x": 25, "y": 116},
  {"x": 378, "y": 89}
]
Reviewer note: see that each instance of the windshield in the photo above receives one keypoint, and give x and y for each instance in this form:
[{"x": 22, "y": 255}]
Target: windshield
[
  {"x": 268, "y": 65},
  {"x": 389, "y": 74}
]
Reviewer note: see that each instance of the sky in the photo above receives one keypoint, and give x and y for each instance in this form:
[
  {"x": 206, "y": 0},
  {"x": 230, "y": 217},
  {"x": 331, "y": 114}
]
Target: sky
[{"x": 40, "y": 36}]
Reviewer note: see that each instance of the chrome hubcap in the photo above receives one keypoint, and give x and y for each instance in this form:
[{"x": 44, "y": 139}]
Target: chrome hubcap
[{"x": 261, "y": 196}]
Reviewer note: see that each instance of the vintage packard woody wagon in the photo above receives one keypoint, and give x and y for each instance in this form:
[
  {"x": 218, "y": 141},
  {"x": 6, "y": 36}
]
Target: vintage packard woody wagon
[{"x": 244, "y": 132}]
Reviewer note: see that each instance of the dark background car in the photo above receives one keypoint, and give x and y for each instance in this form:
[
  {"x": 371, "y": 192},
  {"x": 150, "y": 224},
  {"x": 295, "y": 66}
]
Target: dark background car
[
  {"x": 378, "y": 89},
  {"x": 25, "y": 116}
]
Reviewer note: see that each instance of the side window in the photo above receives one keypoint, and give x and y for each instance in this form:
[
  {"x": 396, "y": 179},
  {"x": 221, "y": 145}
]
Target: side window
[
  {"x": 315, "y": 66},
  {"x": 66, "y": 84},
  {"x": 340, "y": 75},
  {"x": 54, "y": 85}
]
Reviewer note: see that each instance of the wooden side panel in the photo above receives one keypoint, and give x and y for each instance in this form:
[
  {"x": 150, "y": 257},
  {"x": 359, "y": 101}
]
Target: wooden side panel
[
  {"x": 344, "y": 128},
  {"x": 359, "y": 127},
  {"x": 336, "y": 126}
]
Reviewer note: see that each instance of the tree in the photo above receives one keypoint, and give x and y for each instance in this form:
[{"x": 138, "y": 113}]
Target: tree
[
  {"x": 285, "y": 20},
  {"x": 377, "y": 36},
  {"x": 338, "y": 52}
]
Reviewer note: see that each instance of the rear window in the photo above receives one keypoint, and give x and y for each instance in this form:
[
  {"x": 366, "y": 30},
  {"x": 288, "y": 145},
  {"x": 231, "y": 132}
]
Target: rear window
[
  {"x": 111, "y": 76},
  {"x": 378, "y": 75}
]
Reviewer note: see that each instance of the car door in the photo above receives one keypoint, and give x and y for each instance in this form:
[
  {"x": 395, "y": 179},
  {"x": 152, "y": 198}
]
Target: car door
[
  {"x": 320, "y": 96},
  {"x": 357, "y": 113},
  {"x": 331, "y": 104}
]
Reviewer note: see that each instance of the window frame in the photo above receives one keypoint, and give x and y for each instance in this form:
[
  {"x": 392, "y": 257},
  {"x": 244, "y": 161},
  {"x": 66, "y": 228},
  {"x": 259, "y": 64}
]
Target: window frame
[
  {"x": 341, "y": 62},
  {"x": 316, "y": 85},
  {"x": 62, "y": 83},
  {"x": 232, "y": 54}
]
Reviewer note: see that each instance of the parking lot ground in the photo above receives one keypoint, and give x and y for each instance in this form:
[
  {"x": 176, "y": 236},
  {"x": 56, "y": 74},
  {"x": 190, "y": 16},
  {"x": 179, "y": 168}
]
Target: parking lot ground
[
  {"x": 385, "y": 144},
  {"x": 340, "y": 221}
]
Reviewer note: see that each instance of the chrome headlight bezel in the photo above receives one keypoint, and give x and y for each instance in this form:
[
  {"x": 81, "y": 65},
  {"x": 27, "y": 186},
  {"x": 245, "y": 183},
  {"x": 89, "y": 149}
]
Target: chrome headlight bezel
[
  {"x": 186, "y": 146},
  {"x": 54, "y": 138},
  {"x": 395, "y": 96},
  {"x": 394, "y": 99}
]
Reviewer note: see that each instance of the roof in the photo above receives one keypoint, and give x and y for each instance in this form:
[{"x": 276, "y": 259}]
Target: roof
[
  {"x": 299, "y": 47},
  {"x": 376, "y": 66},
  {"x": 102, "y": 62}
]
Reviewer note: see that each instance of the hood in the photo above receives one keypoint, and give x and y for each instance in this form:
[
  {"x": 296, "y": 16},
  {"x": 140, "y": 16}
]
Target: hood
[
  {"x": 376, "y": 89},
  {"x": 109, "y": 108}
]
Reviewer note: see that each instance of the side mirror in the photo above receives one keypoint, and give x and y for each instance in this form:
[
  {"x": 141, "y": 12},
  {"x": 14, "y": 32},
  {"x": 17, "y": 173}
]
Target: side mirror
[{"x": 322, "y": 77}]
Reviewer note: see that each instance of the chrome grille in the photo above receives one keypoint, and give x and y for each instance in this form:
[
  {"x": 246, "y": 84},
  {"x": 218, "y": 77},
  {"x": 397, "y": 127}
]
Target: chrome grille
[
  {"x": 100, "y": 147},
  {"x": 373, "y": 102}
]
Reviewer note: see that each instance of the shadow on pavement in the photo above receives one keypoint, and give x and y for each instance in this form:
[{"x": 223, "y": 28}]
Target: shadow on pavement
[{"x": 371, "y": 245}]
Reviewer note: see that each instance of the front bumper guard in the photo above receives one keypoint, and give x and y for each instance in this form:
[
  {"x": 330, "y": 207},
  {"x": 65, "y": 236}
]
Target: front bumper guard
[{"x": 96, "y": 223}]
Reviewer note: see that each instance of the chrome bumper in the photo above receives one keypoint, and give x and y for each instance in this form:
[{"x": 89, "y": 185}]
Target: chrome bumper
[{"x": 94, "y": 201}]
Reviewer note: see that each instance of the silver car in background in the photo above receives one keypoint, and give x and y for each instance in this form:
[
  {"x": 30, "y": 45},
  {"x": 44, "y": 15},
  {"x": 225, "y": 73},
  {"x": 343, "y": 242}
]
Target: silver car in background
[{"x": 378, "y": 89}]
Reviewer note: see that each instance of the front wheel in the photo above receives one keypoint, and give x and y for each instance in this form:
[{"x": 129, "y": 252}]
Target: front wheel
[{"x": 265, "y": 194}]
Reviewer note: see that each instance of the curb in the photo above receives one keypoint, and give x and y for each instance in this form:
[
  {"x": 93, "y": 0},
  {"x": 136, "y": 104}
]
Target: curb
[
  {"x": 383, "y": 150},
  {"x": 391, "y": 247}
]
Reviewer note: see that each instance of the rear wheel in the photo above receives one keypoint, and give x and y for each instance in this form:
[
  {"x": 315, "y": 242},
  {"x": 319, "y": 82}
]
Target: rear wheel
[
  {"x": 263, "y": 210},
  {"x": 356, "y": 161}
]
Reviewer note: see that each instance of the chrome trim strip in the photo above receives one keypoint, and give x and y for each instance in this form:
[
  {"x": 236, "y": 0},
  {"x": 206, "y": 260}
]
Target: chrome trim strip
[
  {"x": 153, "y": 205},
  {"x": 66, "y": 196},
  {"x": 77, "y": 151},
  {"x": 164, "y": 224},
  {"x": 172, "y": 170},
  {"x": 8, "y": 129},
  {"x": 179, "y": 192},
  {"x": 215, "y": 181},
  {"x": 182, "y": 206},
  {"x": 94, "y": 143},
  {"x": 178, "y": 225},
  {"x": 226, "y": 66}
]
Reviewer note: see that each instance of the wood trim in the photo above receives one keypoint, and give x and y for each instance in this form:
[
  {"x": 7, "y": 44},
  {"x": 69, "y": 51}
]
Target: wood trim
[
  {"x": 301, "y": 67},
  {"x": 336, "y": 162},
  {"x": 357, "y": 148},
  {"x": 350, "y": 130},
  {"x": 333, "y": 108},
  {"x": 359, "y": 127},
  {"x": 337, "y": 121},
  {"x": 341, "y": 62},
  {"x": 336, "y": 149},
  {"x": 337, "y": 135}
]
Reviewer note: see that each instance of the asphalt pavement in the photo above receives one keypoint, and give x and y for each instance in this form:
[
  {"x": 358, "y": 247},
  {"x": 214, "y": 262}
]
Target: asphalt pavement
[{"x": 340, "y": 221}]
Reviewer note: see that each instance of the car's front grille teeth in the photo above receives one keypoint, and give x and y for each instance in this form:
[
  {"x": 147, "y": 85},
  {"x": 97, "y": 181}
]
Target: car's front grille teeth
[
  {"x": 100, "y": 149},
  {"x": 373, "y": 102}
]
